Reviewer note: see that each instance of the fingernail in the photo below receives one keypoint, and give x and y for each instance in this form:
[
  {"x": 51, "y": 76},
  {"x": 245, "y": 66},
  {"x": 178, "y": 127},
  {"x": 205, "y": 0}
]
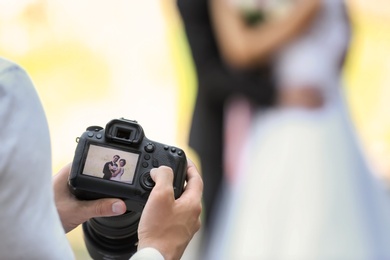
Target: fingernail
[{"x": 118, "y": 208}]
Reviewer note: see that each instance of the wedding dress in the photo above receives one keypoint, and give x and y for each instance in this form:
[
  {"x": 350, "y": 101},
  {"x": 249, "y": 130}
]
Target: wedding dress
[{"x": 304, "y": 189}]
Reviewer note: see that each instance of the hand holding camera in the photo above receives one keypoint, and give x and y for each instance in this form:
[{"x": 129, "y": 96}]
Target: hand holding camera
[
  {"x": 167, "y": 224},
  {"x": 121, "y": 150},
  {"x": 74, "y": 212}
]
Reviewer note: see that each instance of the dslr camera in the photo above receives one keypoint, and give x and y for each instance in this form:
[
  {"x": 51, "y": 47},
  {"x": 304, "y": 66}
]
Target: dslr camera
[{"x": 115, "y": 162}]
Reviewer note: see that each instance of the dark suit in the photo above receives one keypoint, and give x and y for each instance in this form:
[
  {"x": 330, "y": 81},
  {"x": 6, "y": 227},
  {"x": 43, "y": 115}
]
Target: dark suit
[
  {"x": 106, "y": 170},
  {"x": 216, "y": 83}
]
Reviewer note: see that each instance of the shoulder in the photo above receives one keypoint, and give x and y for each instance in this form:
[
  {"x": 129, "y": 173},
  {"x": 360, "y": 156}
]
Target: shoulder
[
  {"x": 9, "y": 66},
  {"x": 14, "y": 80}
]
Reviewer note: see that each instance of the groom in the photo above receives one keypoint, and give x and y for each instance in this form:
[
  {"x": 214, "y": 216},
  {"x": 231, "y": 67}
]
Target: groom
[
  {"x": 217, "y": 84},
  {"x": 108, "y": 167}
]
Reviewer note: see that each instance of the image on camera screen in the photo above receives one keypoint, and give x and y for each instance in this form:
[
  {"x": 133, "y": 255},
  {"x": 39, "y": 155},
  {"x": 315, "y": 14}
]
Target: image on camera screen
[{"x": 110, "y": 164}]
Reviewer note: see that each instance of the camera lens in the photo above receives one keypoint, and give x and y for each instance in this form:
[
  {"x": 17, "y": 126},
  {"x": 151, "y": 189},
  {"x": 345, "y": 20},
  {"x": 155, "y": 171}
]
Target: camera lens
[{"x": 112, "y": 237}]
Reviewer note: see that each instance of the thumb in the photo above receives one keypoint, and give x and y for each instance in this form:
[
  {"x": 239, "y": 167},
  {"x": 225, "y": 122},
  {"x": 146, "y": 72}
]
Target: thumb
[
  {"x": 162, "y": 176},
  {"x": 104, "y": 208}
]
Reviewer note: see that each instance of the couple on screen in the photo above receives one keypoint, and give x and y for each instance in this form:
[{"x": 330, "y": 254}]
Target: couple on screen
[{"x": 113, "y": 171}]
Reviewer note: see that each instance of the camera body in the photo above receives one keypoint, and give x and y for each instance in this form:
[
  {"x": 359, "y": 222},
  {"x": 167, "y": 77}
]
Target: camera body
[{"x": 115, "y": 162}]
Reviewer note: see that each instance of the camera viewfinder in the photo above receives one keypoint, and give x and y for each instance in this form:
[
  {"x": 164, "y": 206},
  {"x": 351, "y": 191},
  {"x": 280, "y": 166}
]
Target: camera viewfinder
[{"x": 123, "y": 133}]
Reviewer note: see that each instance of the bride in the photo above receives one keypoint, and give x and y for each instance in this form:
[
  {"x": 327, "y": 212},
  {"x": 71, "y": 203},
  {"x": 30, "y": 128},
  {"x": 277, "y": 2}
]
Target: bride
[
  {"x": 118, "y": 172},
  {"x": 302, "y": 188}
]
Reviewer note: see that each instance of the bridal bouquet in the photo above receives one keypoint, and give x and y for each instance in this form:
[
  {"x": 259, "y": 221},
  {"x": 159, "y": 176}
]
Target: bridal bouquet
[{"x": 258, "y": 11}]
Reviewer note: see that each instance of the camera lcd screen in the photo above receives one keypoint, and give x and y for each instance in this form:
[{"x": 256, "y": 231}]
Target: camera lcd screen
[{"x": 110, "y": 164}]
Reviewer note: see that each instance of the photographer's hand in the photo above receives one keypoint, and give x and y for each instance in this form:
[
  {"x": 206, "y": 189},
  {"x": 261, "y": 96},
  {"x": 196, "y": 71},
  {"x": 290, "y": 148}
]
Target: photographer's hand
[
  {"x": 74, "y": 212},
  {"x": 167, "y": 224}
]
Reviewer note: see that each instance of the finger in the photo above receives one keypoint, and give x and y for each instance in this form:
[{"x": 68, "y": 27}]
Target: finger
[
  {"x": 162, "y": 176},
  {"x": 61, "y": 178},
  {"x": 194, "y": 185},
  {"x": 103, "y": 208},
  {"x": 163, "y": 189}
]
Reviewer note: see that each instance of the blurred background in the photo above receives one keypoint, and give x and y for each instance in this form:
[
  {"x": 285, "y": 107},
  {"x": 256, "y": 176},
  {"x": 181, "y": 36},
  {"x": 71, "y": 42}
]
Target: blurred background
[{"x": 92, "y": 61}]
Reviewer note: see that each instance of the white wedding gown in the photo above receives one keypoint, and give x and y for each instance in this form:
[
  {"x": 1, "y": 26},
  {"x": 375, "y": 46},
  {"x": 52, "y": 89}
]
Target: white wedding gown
[{"x": 304, "y": 189}]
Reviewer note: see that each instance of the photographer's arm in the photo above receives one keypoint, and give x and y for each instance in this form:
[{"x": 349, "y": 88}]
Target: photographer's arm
[
  {"x": 29, "y": 224},
  {"x": 167, "y": 224},
  {"x": 74, "y": 212}
]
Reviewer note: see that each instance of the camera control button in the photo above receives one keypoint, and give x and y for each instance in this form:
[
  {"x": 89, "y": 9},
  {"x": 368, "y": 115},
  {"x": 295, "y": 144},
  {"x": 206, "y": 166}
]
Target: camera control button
[
  {"x": 155, "y": 163},
  {"x": 147, "y": 181},
  {"x": 173, "y": 149},
  {"x": 147, "y": 157},
  {"x": 90, "y": 134},
  {"x": 149, "y": 147},
  {"x": 166, "y": 147},
  {"x": 99, "y": 136},
  {"x": 180, "y": 152},
  {"x": 145, "y": 164}
]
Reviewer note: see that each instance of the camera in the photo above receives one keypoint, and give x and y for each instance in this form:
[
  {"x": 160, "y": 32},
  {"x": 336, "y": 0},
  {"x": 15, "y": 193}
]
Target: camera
[{"x": 115, "y": 162}]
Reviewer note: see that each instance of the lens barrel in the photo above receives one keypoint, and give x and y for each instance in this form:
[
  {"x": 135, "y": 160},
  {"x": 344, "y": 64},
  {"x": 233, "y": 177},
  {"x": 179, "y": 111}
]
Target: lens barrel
[{"x": 112, "y": 237}]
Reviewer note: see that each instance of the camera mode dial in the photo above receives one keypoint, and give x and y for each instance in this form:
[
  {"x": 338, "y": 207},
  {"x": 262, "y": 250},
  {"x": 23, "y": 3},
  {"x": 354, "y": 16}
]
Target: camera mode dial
[{"x": 149, "y": 147}]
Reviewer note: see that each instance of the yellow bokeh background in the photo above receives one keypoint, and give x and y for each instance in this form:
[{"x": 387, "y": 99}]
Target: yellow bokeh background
[{"x": 92, "y": 61}]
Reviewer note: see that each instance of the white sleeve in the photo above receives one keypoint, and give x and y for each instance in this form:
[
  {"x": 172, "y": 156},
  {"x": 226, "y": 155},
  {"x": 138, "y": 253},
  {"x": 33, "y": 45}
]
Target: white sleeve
[
  {"x": 147, "y": 253},
  {"x": 30, "y": 227}
]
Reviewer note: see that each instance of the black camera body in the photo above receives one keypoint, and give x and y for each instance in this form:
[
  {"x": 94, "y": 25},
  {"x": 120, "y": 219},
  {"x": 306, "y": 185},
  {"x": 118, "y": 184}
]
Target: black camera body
[{"x": 124, "y": 139}]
